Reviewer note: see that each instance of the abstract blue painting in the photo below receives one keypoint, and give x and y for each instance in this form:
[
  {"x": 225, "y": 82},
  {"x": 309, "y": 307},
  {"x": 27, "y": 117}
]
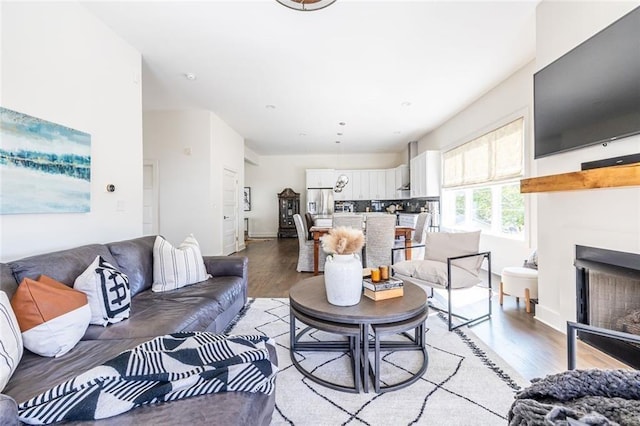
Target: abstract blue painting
[{"x": 44, "y": 167}]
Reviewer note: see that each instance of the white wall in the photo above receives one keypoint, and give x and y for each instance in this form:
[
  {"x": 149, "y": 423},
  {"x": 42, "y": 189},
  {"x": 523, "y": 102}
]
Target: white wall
[
  {"x": 277, "y": 172},
  {"x": 61, "y": 64},
  {"x": 192, "y": 148},
  {"x": 509, "y": 100},
  {"x": 605, "y": 218}
]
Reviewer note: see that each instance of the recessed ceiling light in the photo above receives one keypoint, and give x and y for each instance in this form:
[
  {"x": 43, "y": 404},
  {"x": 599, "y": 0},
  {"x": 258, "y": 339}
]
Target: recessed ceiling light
[
  {"x": 339, "y": 134},
  {"x": 342, "y": 123},
  {"x": 405, "y": 104},
  {"x": 190, "y": 76},
  {"x": 270, "y": 106},
  {"x": 337, "y": 141}
]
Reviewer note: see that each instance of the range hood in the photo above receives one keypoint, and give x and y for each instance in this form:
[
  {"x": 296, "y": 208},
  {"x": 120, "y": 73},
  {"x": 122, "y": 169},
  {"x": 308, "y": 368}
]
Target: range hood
[{"x": 412, "y": 152}]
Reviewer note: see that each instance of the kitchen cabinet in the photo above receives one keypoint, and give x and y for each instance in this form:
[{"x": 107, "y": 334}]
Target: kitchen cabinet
[
  {"x": 377, "y": 186},
  {"x": 347, "y": 191},
  {"x": 360, "y": 189},
  {"x": 425, "y": 175},
  {"x": 320, "y": 178},
  {"x": 390, "y": 185}
]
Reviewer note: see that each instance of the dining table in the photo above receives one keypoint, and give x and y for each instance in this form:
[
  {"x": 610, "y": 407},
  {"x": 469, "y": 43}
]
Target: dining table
[{"x": 319, "y": 231}]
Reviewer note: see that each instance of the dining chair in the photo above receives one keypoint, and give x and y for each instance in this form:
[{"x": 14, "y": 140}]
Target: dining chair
[
  {"x": 305, "y": 248},
  {"x": 452, "y": 262},
  {"x": 422, "y": 224},
  {"x": 379, "y": 239},
  {"x": 353, "y": 221}
]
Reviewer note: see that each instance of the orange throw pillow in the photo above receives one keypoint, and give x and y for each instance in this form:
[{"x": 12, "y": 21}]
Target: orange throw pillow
[{"x": 52, "y": 317}]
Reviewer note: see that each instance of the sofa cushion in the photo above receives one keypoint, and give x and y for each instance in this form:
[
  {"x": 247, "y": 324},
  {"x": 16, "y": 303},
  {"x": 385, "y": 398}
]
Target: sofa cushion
[
  {"x": 107, "y": 290},
  {"x": 63, "y": 266},
  {"x": 135, "y": 260},
  {"x": 52, "y": 316},
  {"x": 192, "y": 308},
  {"x": 441, "y": 245},
  {"x": 11, "y": 348},
  {"x": 175, "y": 267}
]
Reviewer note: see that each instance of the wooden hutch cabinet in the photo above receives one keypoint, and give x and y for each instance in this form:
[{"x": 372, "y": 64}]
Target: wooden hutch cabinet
[{"x": 288, "y": 205}]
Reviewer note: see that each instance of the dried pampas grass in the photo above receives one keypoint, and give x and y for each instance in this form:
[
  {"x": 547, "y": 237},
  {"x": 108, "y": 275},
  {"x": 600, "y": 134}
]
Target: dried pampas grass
[{"x": 343, "y": 240}]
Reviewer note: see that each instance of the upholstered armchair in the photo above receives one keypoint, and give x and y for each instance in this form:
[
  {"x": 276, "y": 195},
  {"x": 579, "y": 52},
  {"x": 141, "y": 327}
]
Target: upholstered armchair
[
  {"x": 422, "y": 224},
  {"x": 452, "y": 262},
  {"x": 305, "y": 248}
]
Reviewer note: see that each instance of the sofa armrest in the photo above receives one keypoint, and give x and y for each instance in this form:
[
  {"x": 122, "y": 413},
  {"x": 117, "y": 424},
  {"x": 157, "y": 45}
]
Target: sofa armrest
[
  {"x": 220, "y": 266},
  {"x": 8, "y": 410}
]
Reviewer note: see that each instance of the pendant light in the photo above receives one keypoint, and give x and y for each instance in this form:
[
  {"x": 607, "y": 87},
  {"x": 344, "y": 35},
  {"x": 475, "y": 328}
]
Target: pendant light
[{"x": 306, "y": 5}]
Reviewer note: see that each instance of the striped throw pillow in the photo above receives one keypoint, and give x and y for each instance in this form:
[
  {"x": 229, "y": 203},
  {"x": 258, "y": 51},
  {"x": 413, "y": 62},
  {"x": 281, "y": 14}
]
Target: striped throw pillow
[
  {"x": 11, "y": 348},
  {"x": 177, "y": 267}
]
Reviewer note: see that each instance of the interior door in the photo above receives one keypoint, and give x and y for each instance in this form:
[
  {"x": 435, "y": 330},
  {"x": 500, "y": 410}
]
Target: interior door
[
  {"x": 150, "y": 198},
  {"x": 229, "y": 212}
]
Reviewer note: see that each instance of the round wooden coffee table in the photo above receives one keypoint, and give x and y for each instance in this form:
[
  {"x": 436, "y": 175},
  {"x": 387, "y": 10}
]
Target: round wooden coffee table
[{"x": 308, "y": 304}]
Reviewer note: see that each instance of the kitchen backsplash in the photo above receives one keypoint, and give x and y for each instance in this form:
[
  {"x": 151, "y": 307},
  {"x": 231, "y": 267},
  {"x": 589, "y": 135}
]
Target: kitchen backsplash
[{"x": 413, "y": 205}]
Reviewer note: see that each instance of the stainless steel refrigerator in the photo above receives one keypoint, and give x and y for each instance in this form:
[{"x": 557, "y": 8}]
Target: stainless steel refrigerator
[{"x": 320, "y": 201}]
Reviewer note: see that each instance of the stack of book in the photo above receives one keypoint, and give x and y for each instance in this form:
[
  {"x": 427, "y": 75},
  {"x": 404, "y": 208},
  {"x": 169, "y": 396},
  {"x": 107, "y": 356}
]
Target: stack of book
[{"x": 383, "y": 289}]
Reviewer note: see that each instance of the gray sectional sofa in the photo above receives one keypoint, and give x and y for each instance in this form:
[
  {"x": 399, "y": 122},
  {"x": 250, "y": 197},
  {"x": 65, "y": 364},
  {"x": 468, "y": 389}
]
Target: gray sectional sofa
[{"x": 207, "y": 306}]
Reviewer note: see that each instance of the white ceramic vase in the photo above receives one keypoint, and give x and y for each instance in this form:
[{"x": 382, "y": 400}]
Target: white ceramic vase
[{"x": 343, "y": 279}]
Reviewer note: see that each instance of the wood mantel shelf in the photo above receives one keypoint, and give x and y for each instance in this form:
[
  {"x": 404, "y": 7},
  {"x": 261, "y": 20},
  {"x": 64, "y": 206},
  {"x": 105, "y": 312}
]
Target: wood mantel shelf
[{"x": 606, "y": 177}]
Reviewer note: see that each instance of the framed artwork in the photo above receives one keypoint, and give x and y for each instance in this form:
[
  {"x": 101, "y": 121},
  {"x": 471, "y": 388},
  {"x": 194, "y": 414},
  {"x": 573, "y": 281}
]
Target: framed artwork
[
  {"x": 247, "y": 199},
  {"x": 44, "y": 167}
]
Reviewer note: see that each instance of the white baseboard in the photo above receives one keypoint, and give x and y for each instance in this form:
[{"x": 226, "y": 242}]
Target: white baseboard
[
  {"x": 263, "y": 235},
  {"x": 551, "y": 318}
]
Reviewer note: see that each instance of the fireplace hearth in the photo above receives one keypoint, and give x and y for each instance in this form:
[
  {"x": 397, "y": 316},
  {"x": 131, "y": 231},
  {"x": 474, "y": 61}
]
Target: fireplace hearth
[{"x": 608, "y": 296}]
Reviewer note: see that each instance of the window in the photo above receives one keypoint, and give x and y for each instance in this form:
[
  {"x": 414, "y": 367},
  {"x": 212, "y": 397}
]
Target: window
[{"x": 481, "y": 183}]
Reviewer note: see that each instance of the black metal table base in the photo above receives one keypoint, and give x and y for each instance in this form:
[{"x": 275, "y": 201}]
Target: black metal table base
[{"x": 358, "y": 346}]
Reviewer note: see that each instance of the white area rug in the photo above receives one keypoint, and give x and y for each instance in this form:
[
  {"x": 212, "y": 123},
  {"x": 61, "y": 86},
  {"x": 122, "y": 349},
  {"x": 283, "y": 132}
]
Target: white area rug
[{"x": 465, "y": 384}]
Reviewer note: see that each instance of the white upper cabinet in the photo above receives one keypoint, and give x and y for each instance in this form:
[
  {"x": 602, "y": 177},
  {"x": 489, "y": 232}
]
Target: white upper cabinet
[
  {"x": 425, "y": 175},
  {"x": 360, "y": 189},
  {"x": 320, "y": 178},
  {"x": 390, "y": 192},
  {"x": 377, "y": 186}
]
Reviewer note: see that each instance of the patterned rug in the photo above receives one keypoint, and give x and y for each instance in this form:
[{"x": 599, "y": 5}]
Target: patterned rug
[{"x": 466, "y": 383}]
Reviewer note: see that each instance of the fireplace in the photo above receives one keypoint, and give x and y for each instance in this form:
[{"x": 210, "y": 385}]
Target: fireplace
[{"x": 608, "y": 296}]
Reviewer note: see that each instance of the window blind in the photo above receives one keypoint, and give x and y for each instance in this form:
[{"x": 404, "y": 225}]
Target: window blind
[{"x": 494, "y": 156}]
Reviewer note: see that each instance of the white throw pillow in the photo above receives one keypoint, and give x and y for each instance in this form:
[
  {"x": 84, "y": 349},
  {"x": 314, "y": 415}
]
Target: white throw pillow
[
  {"x": 107, "y": 290},
  {"x": 11, "y": 348},
  {"x": 441, "y": 245},
  {"x": 436, "y": 272},
  {"x": 177, "y": 267}
]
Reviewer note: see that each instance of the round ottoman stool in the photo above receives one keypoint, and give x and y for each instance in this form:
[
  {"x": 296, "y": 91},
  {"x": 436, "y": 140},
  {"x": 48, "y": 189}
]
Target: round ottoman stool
[{"x": 519, "y": 282}]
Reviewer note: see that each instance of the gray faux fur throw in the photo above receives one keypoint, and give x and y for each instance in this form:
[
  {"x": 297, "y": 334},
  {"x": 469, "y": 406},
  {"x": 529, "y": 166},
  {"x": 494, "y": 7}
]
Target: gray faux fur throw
[{"x": 580, "y": 397}]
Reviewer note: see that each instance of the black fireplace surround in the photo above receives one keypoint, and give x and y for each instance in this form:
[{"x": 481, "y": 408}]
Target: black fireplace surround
[{"x": 591, "y": 265}]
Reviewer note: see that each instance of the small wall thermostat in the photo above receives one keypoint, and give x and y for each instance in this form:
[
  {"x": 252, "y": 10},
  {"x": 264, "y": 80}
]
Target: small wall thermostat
[{"x": 111, "y": 188}]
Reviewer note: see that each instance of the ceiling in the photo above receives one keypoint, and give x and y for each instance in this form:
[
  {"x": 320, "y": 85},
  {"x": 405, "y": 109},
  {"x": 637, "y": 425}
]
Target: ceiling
[{"x": 391, "y": 71}]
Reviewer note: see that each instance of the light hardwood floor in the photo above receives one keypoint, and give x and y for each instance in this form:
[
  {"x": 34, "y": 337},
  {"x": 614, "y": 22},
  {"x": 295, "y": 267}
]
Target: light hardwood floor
[{"x": 531, "y": 347}]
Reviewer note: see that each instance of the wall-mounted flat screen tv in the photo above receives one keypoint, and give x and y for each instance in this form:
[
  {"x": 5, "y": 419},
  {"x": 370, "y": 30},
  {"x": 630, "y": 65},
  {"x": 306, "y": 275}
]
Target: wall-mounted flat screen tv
[{"x": 592, "y": 94}]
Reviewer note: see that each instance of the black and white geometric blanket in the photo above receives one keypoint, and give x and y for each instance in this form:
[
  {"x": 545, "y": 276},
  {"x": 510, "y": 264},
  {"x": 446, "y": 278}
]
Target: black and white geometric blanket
[{"x": 167, "y": 368}]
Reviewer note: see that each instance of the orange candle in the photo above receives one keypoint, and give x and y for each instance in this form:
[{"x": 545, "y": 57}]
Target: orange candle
[
  {"x": 375, "y": 275},
  {"x": 384, "y": 272}
]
